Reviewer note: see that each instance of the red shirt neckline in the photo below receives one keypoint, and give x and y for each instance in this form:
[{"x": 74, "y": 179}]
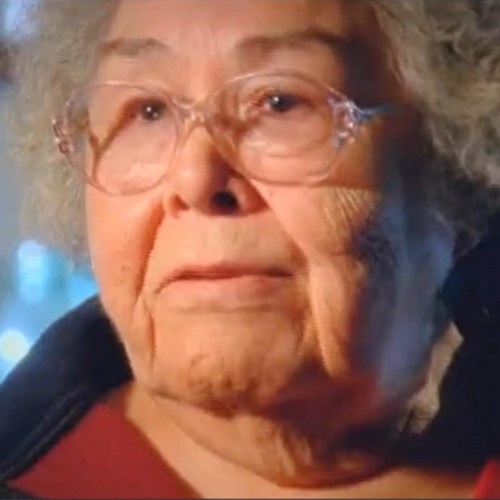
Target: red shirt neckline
[
  {"x": 103, "y": 457},
  {"x": 106, "y": 457}
]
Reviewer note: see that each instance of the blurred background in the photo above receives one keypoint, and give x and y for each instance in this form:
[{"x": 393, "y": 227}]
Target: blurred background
[{"x": 37, "y": 283}]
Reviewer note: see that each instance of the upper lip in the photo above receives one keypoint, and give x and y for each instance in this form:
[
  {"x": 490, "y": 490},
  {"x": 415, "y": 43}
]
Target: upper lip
[{"x": 223, "y": 270}]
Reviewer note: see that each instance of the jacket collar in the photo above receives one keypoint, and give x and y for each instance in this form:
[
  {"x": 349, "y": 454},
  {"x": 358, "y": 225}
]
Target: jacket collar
[{"x": 75, "y": 362}]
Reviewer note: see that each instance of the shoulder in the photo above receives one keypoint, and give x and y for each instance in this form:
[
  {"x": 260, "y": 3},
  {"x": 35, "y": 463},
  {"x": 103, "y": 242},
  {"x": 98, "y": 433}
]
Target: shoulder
[{"x": 74, "y": 363}]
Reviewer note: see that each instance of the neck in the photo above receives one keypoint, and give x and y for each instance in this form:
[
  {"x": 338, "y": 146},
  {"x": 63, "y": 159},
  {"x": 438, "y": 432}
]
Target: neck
[
  {"x": 276, "y": 449},
  {"x": 272, "y": 448},
  {"x": 269, "y": 446},
  {"x": 254, "y": 456}
]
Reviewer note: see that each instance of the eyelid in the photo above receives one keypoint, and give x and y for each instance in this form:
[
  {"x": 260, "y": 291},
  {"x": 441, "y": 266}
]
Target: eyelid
[
  {"x": 153, "y": 86},
  {"x": 141, "y": 93},
  {"x": 261, "y": 97},
  {"x": 142, "y": 101}
]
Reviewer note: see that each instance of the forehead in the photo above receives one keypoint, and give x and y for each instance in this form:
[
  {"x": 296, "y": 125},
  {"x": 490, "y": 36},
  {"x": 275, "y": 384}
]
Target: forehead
[{"x": 189, "y": 25}]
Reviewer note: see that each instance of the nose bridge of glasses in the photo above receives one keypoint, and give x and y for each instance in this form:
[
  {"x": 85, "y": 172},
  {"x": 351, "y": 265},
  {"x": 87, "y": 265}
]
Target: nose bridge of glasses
[
  {"x": 198, "y": 114},
  {"x": 194, "y": 162},
  {"x": 192, "y": 114}
]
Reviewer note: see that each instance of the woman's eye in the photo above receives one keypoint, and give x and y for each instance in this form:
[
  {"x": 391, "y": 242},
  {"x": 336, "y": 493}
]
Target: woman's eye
[
  {"x": 281, "y": 103},
  {"x": 152, "y": 111}
]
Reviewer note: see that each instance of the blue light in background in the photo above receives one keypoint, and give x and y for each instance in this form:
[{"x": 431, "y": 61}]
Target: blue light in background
[
  {"x": 14, "y": 345},
  {"x": 80, "y": 286},
  {"x": 45, "y": 285},
  {"x": 34, "y": 271},
  {"x": 15, "y": 25}
]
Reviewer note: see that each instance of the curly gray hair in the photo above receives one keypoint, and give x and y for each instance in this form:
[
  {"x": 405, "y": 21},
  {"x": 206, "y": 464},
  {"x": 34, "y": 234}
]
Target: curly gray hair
[{"x": 446, "y": 54}]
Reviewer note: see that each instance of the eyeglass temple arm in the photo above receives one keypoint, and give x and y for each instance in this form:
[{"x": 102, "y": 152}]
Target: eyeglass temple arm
[
  {"x": 360, "y": 116},
  {"x": 363, "y": 115}
]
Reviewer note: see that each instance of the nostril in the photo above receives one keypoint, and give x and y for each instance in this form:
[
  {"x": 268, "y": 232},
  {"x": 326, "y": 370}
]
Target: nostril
[{"x": 224, "y": 201}]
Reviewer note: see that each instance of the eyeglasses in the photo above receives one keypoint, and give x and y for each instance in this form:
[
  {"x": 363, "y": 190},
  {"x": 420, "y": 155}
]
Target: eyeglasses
[{"x": 281, "y": 128}]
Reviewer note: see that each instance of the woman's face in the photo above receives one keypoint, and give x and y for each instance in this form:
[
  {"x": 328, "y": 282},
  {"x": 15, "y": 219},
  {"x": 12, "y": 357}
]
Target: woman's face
[{"x": 286, "y": 295}]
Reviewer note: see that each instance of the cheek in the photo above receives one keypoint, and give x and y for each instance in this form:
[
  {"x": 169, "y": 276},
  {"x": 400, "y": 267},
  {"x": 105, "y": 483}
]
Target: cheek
[
  {"x": 323, "y": 223},
  {"x": 121, "y": 234}
]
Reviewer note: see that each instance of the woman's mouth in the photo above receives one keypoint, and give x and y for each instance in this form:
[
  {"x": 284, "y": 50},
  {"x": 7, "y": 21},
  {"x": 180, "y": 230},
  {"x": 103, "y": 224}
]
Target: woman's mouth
[{"x": 225, "y": 285}]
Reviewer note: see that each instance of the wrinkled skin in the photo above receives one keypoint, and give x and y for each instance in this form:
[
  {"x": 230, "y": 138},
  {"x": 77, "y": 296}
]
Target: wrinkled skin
[{"x": 344, "y": 339}]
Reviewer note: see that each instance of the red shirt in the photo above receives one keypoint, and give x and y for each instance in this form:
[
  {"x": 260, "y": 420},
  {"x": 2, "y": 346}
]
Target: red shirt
[{"x": 106, "y": 457}]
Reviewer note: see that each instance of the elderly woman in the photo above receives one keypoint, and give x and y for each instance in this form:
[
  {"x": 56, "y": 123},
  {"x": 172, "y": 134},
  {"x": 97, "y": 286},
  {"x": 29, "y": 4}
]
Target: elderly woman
[{"x": 272, "y": 195}]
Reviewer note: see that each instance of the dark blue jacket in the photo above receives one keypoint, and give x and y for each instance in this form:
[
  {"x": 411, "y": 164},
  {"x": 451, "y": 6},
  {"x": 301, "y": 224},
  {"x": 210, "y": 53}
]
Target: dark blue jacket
[{"x": 75, "y": 362}]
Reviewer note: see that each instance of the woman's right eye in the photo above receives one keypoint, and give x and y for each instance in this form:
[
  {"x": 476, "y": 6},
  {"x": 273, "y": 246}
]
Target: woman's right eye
[
  {"x": 282, "y": 103},
  {"x": 151, "y": 111}
]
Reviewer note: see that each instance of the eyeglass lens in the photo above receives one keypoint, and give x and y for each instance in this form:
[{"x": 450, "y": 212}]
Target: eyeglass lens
[{"x": 279, "y": 128}]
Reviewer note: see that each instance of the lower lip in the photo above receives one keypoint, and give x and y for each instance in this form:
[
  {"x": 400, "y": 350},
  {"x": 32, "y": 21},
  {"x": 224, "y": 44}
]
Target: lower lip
[{"x": 226, "y": 293}]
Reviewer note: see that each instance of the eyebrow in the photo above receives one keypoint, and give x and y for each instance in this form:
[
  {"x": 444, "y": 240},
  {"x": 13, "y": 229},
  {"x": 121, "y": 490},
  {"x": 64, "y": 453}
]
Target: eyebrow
[
  {"x": 258, "y": 46},
  {"x": 132, "y": 48},
  {"x": 266, "y": 45}
]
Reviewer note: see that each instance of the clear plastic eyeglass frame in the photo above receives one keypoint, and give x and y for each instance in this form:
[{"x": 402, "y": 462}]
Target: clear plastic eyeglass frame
[{"x": 334, "y": 119}]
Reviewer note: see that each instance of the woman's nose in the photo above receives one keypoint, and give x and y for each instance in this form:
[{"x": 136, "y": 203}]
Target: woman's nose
[{"x": 201, "y": 178}]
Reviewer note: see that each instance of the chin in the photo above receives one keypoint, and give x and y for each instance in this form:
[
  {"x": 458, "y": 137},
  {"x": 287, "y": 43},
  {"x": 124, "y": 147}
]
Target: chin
[
  {"x": 238, "y": 364},
  {"x": 214, "y": 384}
]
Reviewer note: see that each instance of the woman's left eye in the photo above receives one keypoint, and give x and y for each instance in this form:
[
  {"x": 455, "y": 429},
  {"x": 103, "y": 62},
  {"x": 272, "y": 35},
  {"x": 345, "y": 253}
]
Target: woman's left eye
[
  {"x": 281, "y": 103},
  {"x": 152, "y": 111}
]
